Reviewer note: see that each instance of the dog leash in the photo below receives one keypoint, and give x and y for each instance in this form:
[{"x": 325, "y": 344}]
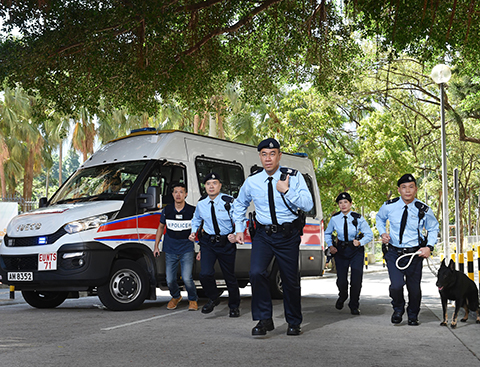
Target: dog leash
[{"x": 434, "y": 272}]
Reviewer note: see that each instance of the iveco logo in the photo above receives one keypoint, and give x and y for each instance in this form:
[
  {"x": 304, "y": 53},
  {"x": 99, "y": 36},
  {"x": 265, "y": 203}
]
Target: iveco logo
[{"x": 29, "y": 227}]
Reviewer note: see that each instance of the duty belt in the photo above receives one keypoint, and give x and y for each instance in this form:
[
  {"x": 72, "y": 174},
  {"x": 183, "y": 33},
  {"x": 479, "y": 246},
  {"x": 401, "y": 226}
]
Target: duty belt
[
  {"x": 277, "y": 228},
  {"x": 403, "y": 250},
  {"x": 217, "y": 240}
]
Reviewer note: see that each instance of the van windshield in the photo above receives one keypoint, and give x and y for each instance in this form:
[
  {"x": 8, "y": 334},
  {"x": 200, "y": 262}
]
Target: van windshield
[{"x": 106, "y": 182}]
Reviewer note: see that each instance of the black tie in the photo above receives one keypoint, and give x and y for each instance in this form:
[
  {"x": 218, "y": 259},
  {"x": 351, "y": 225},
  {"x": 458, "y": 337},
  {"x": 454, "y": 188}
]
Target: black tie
[
  {"x": 345, "y": 229},
  {"x": 214, "y": 219},
  {"x": 271, "y": 202},
  {"x": 403, "y": 224}
]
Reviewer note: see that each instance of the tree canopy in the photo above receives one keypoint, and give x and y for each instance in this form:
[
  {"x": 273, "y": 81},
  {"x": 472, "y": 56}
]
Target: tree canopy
[{"x": 132, "y": 53}]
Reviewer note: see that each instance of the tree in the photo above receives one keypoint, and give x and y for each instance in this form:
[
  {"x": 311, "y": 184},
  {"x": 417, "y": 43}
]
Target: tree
[{"x": 75, "y": 52}]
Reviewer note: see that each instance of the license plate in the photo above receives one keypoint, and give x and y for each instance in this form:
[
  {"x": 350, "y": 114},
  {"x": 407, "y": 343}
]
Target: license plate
[
  {"x": 47, "y": 261},
  {"x": 20, "y": 276}
]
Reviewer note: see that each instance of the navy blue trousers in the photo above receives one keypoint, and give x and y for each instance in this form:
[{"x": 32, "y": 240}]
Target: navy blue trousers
[
  {"x": 226, "y": 259},
  {"x": 352, "y": 258},
  {"x": 411, "y": 276},
  {"x": 286, "y": 252}
]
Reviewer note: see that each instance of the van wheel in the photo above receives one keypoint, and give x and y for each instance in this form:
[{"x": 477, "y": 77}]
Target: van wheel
[
  {"x": 44, "y": 299},
  {"x": 127, "y": 287},
  {"x": 276, "y": 289}
]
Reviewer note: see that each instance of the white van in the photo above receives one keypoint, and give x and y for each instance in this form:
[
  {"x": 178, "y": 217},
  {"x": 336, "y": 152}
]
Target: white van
[{"x": 97, "y": 232}]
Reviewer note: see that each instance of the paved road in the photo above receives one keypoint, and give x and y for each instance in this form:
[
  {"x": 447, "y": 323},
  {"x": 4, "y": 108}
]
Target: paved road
[{"x": 81, "y": 333}]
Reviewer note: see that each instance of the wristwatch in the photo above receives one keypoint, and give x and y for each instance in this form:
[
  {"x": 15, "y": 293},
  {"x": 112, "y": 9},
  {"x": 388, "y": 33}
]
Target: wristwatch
[{"x": 430, "y": 247}]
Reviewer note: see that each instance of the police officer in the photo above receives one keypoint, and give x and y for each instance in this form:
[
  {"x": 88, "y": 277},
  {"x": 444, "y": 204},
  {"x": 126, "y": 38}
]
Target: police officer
[
  {"x": 408, "y": 218},
  {"x": 277, "y": 193},
  {"x": 353, "y": 232},
  {"x": 217, "y": 243}
]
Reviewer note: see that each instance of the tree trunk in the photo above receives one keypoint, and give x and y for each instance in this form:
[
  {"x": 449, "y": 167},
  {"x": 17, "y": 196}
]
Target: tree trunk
[
  {"x": 60, "y": 163},
  {"x": 196, "y": 123}
]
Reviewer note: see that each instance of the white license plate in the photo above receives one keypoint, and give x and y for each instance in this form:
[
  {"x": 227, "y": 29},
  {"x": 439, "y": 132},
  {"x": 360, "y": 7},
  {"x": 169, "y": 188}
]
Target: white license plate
[
  {"x": 47, "y": 261},
  {"x": 21, "y": 276}
]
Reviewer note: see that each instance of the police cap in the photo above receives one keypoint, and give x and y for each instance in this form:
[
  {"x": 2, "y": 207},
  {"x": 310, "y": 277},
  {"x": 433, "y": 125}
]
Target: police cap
[
  {"x": 406, "y": 178},
  {"x": 269, "y": 143},
  {"x": 343, "y": 196},
  {"x": 212, "y": 176}
]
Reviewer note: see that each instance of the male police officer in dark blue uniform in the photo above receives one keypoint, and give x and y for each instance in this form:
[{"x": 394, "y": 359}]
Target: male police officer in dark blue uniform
[
  {"x": 353, "y": 232},
  {"x": 217, "y": 243},
  {"x": 276, "y": 200},
  {"x": 408, "y": 218}
]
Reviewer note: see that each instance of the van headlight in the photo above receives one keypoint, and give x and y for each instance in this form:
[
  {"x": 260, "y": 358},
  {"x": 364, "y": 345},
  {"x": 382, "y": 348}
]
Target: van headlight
[{"x": 86, "y": 224}]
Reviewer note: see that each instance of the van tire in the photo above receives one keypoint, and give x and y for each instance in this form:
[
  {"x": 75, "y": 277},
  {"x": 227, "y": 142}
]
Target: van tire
[
  {"x": 44, "y": 299},
  {"x": 276, "y": 289},
  {"x": 127, "y": 287}
]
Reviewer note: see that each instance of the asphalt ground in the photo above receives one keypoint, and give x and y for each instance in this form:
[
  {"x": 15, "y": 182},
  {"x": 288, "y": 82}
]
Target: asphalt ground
[{"x": 82, "y": 333}]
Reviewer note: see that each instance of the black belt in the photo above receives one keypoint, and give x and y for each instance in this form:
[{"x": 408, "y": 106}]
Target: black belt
[
  {"x": 403, "y": 250},
  {"x": 276, "y": 228},
  {"x": 216, "y": 239}
]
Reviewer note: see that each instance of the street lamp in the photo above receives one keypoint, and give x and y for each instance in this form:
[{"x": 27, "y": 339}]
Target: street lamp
[{"x": 441, "y": 74}]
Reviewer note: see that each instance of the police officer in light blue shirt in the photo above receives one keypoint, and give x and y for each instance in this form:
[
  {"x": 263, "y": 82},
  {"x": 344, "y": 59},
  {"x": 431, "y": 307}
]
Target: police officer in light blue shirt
[
  {"x": 216, "y": 244},
  {"x": 353, "y": 232},
  {"x": 413, "y": 227},
  {"x": 277, "y": 192}
]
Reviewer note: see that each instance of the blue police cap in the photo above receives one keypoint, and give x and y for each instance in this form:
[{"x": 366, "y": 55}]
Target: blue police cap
[
  {"x": 269, "y": 143},
  {"x": 343, "y": 196},
  {"x": 406, "y": 178},
  {"x": 212, "y": 176}
]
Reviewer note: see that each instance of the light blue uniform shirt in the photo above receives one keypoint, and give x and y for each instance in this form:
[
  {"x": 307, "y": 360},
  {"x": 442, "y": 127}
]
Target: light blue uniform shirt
[
  {"x": 203, "y": 212},
  {"x": 393, "y": 211},
  {"x": 336, "y": 224},
  {"x": 255, "y": 188}
]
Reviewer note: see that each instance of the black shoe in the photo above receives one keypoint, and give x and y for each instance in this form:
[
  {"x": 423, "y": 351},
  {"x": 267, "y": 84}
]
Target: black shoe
[
  {"x": 294, "y": 329},
  {"x": 413, "y": 322},
  {"x": 262, "y": 327},
  {"x": 234, "y": 312},
  {"x": 339, "y": 304},
  {"x": 397, "y": 317},
  {"x": 355, "y": 311},
  {"x": 210, "y": 305}
]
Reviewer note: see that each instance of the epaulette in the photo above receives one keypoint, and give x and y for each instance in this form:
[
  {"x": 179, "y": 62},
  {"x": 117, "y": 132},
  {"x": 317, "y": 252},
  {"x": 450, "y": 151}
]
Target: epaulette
[
  {"x": 356, "y": 215},
  {"x": 227, "y": 199},
  {"x": 289, "y": 171},
  {"x": 203, "y": 197},
  {"x": 258, "y": 170},
  {"x": 421, "y": 206},
  {"x": 337, "y": 213},
  {"x": 391, "y": 201}
]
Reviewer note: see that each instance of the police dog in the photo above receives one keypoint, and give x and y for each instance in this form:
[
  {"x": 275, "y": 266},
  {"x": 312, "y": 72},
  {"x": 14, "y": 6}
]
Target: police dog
[{"x": 455, "y": 285}]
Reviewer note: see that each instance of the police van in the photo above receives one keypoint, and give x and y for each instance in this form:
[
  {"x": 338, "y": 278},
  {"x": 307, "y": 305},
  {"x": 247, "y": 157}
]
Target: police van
[{"x": 96, "y": 233}]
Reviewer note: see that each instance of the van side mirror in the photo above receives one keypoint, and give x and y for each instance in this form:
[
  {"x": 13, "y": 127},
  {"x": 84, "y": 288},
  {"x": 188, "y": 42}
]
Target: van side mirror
[
  {"x": 149, "y": 200},
  {"x": 42, "y": 203}
]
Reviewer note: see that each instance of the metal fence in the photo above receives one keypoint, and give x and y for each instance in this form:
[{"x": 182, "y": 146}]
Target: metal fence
[{"x": 23, "y": 205}]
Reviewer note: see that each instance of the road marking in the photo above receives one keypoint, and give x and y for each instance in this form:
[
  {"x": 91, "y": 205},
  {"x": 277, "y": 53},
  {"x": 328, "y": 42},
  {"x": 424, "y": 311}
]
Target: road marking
[{"x": 142, "y": 321}]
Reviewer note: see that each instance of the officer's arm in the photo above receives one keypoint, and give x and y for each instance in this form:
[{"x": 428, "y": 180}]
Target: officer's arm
[
  {"x": 240, "y": 206},
  {"x": 196, "y": 220},
  {"x": 367, "y": 232},
  {"x": 328, "y": 233},
  {"x": 431, "y": 225},
  {"x": 299, "y": 194},
  {"x": 381, "y": 220}
]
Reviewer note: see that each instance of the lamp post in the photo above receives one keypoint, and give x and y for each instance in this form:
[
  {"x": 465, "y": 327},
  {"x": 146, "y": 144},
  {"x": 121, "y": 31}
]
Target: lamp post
[{"x": 441, "y": 74}]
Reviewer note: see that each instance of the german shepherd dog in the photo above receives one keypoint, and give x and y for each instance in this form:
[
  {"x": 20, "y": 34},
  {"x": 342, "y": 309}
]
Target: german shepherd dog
[{"x": 455, "y": 285}]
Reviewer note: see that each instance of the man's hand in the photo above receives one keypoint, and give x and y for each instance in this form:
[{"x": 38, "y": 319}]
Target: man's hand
[
  {"x": 192, "y": 237},
  {"x": 231, "y": 238},
  {"x": 239, "y": 238},
  {"x": 333, "y": 250},
  {"x": 385, "y": 238},
  {"x": 356, "y": 243},
  {"x": 425, "y": 252},
  {"x": 156, "y": 251},
  {"x": 282, "y": 186}
]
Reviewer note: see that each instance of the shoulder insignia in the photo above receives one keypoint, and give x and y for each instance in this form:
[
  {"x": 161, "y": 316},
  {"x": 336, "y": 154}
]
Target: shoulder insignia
[
  {"x": 337, "y": 213},
  {"x": 254, "y": 170},
  {"x": 356, "y": 215},
  {"x": 421, "y": 206},
  {"x": 391, "y": 201},
  {"x": 227, "y": 199},
  {"x": 289, "y": 171},
  {"x": 203, "y": 197}
]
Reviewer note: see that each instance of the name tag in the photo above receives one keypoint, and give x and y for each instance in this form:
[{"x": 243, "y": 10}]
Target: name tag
[{"x": 179, "y": 225}]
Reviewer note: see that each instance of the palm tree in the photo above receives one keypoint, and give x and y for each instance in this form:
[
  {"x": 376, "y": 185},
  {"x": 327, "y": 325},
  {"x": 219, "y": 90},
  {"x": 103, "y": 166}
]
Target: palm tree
[{"x": 83, "y": 133}]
